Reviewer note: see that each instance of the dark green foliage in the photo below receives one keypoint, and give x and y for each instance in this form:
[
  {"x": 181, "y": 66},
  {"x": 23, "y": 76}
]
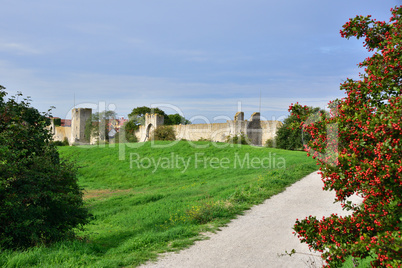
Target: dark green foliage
[
  {"x": 176, "y": 119},
  {"x": 238, "y": 139},
  {"x": 270, "y": 143},
  {"x": 138, "y": 116},
  {"x": 58, "y": 143},
  {"x": 61, "y": 143},
  {"x": 88, "y": 130},
  {"x": 290, "y": 136},
  {"x": 141, "y": 111},
  {"x": 128, "y": 130},
  {"x": 57, "y": 122},
  {"x": 164, "y": 133},
  {"x": 40, "y": 201}
]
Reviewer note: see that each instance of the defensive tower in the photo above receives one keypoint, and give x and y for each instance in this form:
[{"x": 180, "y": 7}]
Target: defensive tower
[
  {"x": 152, "y": 121},
  {"x": 79, "y": 117}
]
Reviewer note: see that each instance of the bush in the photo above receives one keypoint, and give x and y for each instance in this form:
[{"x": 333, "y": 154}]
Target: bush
[
  {"x": 238, "y": 139},
  {"x": 57, "y": 122},
  {"x": 65, "y": 142},
  {"x": 130, "y": 137},
  {"x": 123, "y": 136},
  {"x": 58, "y": 143},
  {"x": 164, "y": 133},
  {"x": 270, "y": 143},
  {"x": 128, "y": 130},
  {"x": 61, "y": 143},
  {"x": 361, "y": 154},
  {"x": 290, "y": 136},
  {"x": 40, "y": 201}
]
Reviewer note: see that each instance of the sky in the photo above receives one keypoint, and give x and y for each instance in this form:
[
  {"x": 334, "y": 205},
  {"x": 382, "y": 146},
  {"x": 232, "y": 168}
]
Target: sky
[{"x": 203, "y": 59}]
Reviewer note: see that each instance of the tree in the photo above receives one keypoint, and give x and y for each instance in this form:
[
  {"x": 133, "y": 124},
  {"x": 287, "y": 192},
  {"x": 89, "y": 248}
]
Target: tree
[
  {"x": 290, "y": 136},
  {"x": 40, "y": 200},
  {"x": 362, "y": 153},
  {"x": 177, "y": 119},
  {"x": 98, "y": 125},
  {"x": 138, "y": 114},
  {"x": 128, "y": 130}
]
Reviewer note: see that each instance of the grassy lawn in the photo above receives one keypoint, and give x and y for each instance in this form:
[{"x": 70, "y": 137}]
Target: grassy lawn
[
  {"x": 160, "y": 198},
  {"x": 357, "y": 263}
]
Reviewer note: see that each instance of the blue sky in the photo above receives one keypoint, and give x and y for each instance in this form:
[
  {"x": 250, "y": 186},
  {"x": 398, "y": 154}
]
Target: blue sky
[{"x": 201, "y": 58}]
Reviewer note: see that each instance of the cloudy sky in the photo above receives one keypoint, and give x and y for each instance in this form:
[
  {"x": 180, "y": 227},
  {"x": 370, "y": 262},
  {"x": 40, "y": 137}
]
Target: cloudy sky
[{"x": 201, "y": 58}]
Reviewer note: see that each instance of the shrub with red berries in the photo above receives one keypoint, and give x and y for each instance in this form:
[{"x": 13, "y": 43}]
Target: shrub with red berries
[{"x": 359, "y": 150}]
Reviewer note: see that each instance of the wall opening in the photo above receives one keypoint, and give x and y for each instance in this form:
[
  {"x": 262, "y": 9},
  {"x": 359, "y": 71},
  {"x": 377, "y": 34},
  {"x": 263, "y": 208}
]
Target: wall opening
[{"x": 149, "y": 132}]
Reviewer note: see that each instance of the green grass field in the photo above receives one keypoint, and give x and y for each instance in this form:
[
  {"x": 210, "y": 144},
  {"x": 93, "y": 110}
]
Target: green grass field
[{"x": 161, "y": 199}]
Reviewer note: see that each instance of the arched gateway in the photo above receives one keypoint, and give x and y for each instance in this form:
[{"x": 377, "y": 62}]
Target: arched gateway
[{"x": 152, "y": 121}]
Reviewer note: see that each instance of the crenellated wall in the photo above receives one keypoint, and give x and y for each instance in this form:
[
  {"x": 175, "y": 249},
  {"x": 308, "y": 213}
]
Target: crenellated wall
[{"x": 257, "y": 131}]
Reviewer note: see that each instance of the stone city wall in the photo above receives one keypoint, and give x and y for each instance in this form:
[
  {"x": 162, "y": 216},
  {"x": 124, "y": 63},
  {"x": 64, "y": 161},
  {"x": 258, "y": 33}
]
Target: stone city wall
[
  {"x": 62, "y": 132},
  {"x": 256, "y": 131}
]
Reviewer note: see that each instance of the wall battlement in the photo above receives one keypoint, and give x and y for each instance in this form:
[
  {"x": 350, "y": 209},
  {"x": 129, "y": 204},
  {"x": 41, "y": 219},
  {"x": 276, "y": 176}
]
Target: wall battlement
[
  {"x": 254, "y": 129},
  {"x": 257, "y": 131}
]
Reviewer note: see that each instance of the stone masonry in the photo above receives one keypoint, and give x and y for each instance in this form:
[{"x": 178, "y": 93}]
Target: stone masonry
[{"x": 254, "y": 129}]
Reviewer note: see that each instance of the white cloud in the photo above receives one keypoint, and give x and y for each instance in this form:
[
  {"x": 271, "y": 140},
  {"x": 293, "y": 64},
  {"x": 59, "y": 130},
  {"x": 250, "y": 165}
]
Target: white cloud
[
  {"x": 127, "y": 92},
  {"x": 202, "y": 57}
]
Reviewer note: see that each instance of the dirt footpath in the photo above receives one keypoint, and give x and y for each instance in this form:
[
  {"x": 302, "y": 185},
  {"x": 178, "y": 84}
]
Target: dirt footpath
[{"x": 257, "y": 238}]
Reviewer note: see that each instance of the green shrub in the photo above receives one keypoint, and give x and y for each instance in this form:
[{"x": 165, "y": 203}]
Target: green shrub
[
  {"x": 57, "y": 122},
  {"x": 238, "y": 139},
  {"x": 130, "y": 137},
  {"x": 290, "y": 136},
  {"x": 40, "y": 201},
  {"x": 57, "y": 143},
  {"x": 61, "y": 143},
  {"x": 127, "y": 132},
  {"x": 65, "y": 142},
  {"x": 164, "y": 133},
  {"x": 270, "y": 143}
]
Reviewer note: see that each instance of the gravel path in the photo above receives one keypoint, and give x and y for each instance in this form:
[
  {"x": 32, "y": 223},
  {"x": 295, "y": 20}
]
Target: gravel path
[{"x": 256, "y": 238}]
